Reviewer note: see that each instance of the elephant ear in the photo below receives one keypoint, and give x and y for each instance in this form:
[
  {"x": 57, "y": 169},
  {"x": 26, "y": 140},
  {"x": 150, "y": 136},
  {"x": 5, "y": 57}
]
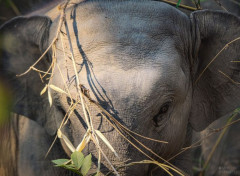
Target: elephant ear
[
  {"x": 216, "y": 89},
  {"x": 22, "y": 42}
]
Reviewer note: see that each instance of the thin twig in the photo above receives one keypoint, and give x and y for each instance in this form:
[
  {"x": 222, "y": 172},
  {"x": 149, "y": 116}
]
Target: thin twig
[
  {"x": 118, "y": 123},
  {"x": 144, "y": 146},
  {"x": 180, "y": 5},
  {"x": 134, "y": 139},
  {"x": 97, "y": 144},
  {"x": 127, "y": 131},
  {"x": 198, "y": 4},
  {"x": 65, "y": 85},
  {"x": 220, "y": 5},
  {"x": 229, "y": 78},
  {"x": 14, "y": 7},
  {"x": 227, "y": 45},
  {"x": 216, "y": 144},
  {"x": 76, "y": 75},
  {"x": 66, "y": 115},
  {"x": 35, "y": 69},
  {"x": 62, "y": 18},
  {"x": 213, "y": 131},
  {"x": 50, "y": 148},
  {"x": 235, "y": 2}
]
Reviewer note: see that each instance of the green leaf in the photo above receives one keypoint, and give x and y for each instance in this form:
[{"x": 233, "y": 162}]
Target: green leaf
[
  {"x": 60, "y": 162},
  {"x": 87, "y": 162},
  {"x": 66, "y": 164},
  {"x": 71, "y": 168},
  {"x": 77, "y": 158},
  {"x": 178, "y": 3}
]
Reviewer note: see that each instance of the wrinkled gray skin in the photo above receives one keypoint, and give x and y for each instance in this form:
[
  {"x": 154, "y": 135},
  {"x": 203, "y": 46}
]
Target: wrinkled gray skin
[{"x": 136, "y": 58}]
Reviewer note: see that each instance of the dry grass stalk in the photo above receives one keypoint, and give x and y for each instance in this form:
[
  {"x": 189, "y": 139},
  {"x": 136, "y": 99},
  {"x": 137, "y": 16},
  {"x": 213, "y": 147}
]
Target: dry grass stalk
[
  {"x": 62, "y": 19},
  {"x": 180, "y": 5},
  {"x": 220, "y": 5},
  {"x": 215, "y": 57}
]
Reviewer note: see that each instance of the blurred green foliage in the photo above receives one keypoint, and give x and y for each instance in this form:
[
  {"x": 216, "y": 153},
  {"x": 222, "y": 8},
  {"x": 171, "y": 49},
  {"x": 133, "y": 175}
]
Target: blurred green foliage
[{"x": 5, "y": 104}]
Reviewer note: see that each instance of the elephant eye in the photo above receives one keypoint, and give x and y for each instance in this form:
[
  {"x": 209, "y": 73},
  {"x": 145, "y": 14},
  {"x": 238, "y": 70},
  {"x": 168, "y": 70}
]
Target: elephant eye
[{"x": 163, "y": 110}]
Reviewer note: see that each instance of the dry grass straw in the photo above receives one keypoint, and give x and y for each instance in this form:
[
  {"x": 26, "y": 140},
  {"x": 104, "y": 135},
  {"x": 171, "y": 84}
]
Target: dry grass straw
[
  {"x": 180, "y": 5},
  {"x": 84, "y": 97},
  {"x": 215, "y": 57},
  {"x": 216, "y": 144}
]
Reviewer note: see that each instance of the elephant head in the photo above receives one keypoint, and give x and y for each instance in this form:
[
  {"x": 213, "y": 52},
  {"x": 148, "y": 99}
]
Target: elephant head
[{"x": 146, "y": 63}]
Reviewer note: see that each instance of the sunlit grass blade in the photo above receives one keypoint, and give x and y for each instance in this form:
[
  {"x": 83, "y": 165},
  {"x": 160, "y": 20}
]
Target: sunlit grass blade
[
  {"x": 57, "y": 89},
  {"x": 66, "y": 140},
  {"x": 44, "y": 90},
  {"x": 165, "y": 167},
  {"x": 96, "y": 142},
  {"x": 104, "y": 139},
  {"x": 84, "y": 142},
  {"x": 49, "y": 97},
  {"x": 125, "y": 128}
]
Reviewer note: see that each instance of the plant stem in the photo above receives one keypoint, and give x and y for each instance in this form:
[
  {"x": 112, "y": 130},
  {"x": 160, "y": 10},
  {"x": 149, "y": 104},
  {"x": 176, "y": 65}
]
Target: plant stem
[
  {"x": 180, "y": 5},
  {"x": 216, "y": 144}
]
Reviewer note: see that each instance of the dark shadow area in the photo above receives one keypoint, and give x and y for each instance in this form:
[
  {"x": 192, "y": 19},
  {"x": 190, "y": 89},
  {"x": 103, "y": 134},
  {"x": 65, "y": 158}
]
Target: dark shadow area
[{"x": 12, "y": 8}]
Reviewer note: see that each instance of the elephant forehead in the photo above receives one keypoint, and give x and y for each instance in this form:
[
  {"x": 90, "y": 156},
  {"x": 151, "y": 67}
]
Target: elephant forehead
[
  {"x": 104, "y": 14},
  {"x": 140, "y": 29},
  {"x": 139, "y": 45},
  {"x": 141, "y": 83},
  {"x": 125, "y": 22}
]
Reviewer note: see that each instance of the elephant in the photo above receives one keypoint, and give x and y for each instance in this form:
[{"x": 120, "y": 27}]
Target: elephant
[{"x": 157, "y": 71}]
